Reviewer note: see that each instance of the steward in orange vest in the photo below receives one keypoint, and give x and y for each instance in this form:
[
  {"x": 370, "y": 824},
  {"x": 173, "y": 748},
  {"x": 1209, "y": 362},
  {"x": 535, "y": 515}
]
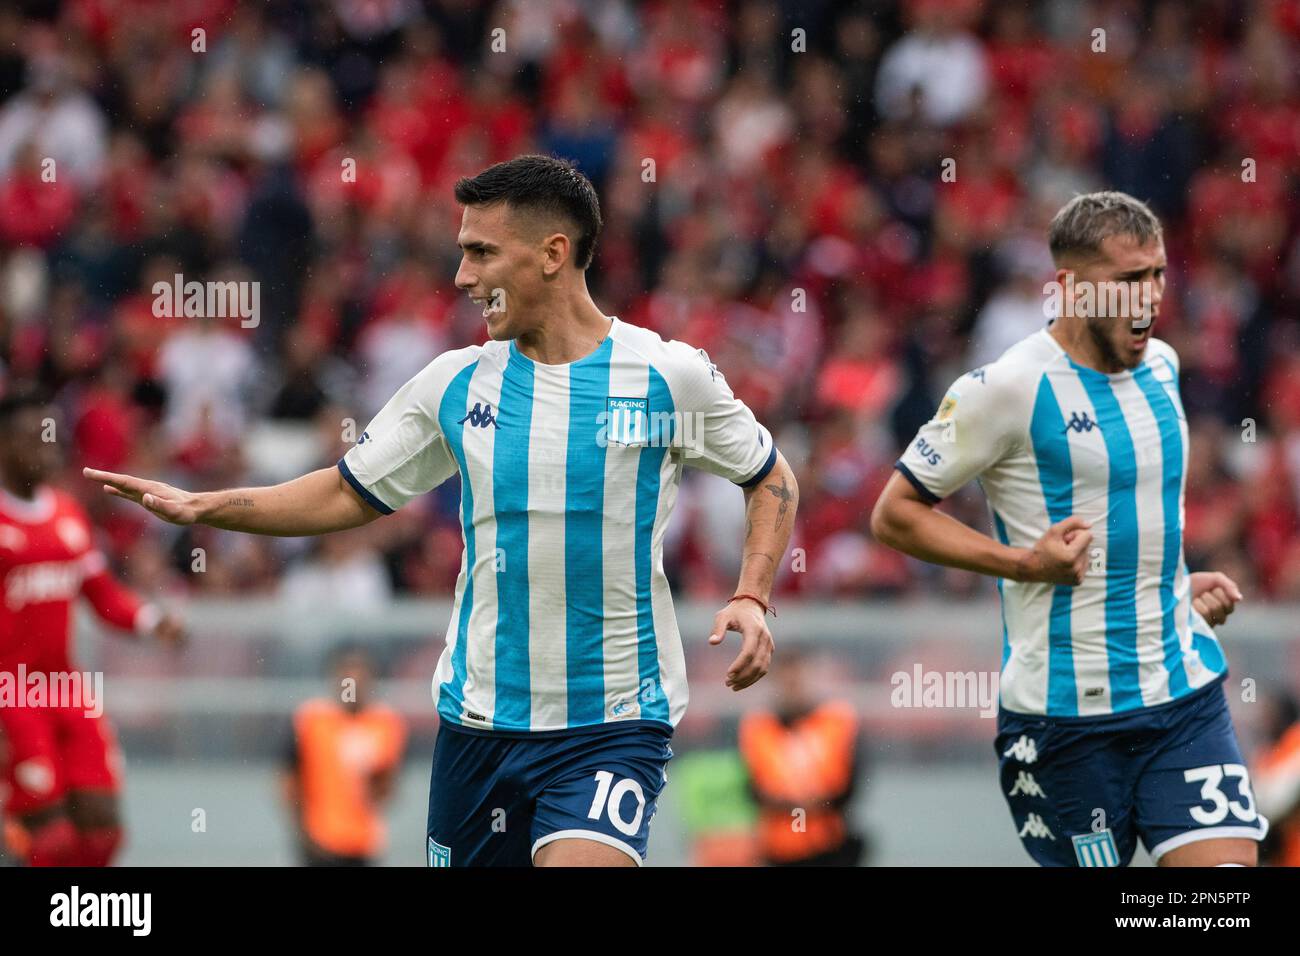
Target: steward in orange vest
[
  {"x": 1276, "y": 776},
  {"x": 343, "y": 764},
  {"x": 803, "y": 762}
]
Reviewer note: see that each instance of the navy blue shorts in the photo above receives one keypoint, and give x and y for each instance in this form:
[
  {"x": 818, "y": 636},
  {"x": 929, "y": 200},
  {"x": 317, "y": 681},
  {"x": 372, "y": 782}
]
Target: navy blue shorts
[
  {"x": 496, "y": 800},
  {"x": 1082, "y": 791}
]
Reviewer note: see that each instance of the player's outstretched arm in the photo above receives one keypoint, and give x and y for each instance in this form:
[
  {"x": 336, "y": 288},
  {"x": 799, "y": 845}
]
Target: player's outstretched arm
[
  {"x": 905, "y": 521},
  {"x": 770, "y": 508},
  {"x": 316, "y": 503}
]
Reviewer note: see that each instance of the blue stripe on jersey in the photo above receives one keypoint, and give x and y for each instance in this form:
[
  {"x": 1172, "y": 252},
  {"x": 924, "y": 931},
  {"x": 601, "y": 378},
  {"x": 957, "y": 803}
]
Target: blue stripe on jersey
[
  {"x": 1006, "y": 642},
  {"x": 1121, "y": 542},
  {"x": 1211, "y": 654},
  {"x": 451, "y": 695},
  {"x": 1055, "y": 474},
  {"x": 1205, "y": 646},
  {"x": 1171, "y": 454},
  {"x": 584, "y": 543},
  {"x": 654, "y": 705},
  {"x": 510, "y": 498}
]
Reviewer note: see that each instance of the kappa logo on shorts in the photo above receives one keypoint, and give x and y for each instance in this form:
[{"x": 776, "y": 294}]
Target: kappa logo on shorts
[
  {"x": 1026, "y": 784},
  {"x": 1024, "y": 750},
  {"x": 1035, "y": 827},
  {"x": 1095, "y": 849},
  {"x": 439, "y": 855}
]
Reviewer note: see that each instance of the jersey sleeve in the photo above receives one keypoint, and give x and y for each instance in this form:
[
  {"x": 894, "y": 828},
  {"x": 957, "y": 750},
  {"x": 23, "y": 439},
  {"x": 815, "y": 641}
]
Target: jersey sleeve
[
  {"x": 114, "y": 603},
  {"x": 402, "y": 453},
  {"x": 980, "y": 421},
  {"x": 720, "y": 434}
]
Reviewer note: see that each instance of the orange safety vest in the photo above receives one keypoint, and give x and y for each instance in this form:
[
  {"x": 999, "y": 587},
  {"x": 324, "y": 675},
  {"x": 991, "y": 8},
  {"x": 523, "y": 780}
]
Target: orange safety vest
[
  {"x": 1280, "y": 766},
  {"x": 803, "y": 767},
  {"x": 338, "y": 753}
]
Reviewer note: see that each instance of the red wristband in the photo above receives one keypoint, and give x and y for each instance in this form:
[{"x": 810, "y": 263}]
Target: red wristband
[{"x": 767, "y": 608}]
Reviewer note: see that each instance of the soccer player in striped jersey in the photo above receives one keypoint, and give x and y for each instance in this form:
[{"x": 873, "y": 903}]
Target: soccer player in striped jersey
[
  {"x": 1113, "y": 723},
  {"x": 563, "y": 672}
]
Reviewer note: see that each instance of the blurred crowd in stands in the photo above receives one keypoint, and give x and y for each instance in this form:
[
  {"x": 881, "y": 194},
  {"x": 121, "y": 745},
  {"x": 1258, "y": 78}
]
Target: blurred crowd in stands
[{"x": 771, "y": 182}]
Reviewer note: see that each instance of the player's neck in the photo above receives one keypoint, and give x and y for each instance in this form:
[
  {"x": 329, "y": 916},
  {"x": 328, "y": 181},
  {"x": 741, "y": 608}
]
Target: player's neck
[
  {"x": 1072, "y": 335},
  {"x": 575, "y": 329}
]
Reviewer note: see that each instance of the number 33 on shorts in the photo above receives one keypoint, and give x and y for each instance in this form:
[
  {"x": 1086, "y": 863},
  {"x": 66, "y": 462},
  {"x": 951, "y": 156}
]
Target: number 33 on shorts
[{"x": 1211, "y": 779}]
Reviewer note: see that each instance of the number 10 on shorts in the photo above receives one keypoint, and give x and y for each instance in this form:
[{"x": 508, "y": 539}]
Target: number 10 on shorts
[{"x": 609, "y": 800}]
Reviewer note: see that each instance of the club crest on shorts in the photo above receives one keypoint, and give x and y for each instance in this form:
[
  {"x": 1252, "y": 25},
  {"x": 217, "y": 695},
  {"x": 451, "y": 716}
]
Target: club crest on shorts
[
  {"x": 627, "y": 420},
  {"x": 439, "y": 855},
  {"x": 1095, "y": 849}
]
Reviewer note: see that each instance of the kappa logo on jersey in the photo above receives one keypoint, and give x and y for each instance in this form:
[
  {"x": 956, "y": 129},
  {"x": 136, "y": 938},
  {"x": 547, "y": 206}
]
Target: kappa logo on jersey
[
  {"x": 1024, "y": 750},
  {"x": 1027, "y": 785},
  {"x": 1035, "y": 827},
  {"x": 1080, "y": 423},
  {"x": 439, "y": 855},
  {"x": 978, "y": 374},
  {"x": 480, "y": 416},
  {"x": 1095, "y": 849}
]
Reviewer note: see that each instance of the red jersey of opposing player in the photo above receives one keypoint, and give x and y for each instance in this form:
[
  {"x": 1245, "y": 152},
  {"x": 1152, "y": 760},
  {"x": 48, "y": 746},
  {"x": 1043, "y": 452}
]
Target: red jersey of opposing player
[{"x": 47, "y": 560}]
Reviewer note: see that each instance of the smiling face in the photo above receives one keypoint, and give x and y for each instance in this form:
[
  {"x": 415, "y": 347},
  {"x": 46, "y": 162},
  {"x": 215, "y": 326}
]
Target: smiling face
[
  {"x": 508, "y": 263},
  {"x": 1131, "y": 275}
]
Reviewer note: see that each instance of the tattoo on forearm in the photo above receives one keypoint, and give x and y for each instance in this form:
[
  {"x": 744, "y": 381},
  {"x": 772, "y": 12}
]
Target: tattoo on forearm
[
  {"x": 783, "y": 494},
  {"x": 240, "y": 503}
]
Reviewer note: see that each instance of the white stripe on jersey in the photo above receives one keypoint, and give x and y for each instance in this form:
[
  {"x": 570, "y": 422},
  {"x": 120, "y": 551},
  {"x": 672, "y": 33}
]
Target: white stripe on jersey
[
  {"x": 547, "y": 604},
  {"x": 628, "y": 378}
]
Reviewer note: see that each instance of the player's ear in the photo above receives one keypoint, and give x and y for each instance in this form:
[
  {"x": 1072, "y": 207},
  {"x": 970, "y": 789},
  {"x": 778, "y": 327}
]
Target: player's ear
[{"x": 556, "y": 250}]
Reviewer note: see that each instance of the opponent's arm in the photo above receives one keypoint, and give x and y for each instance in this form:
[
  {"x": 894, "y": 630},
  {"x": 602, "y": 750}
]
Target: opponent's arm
[
  {"x": 902, "y": 519},
  {"x": 317, "y": 503}
]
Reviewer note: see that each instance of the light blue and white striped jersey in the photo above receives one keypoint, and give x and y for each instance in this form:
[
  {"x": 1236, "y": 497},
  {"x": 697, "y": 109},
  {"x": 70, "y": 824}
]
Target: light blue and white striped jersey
[
  {"x": 1048, "y": 438},
  {"x": 562, "y": 616}
]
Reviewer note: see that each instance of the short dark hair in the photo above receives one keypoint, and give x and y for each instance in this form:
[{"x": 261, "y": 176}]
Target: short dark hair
[
  {"x": 543, "y": 184},
  {"x": 22, "y": 397},
  {"x": 1082, "y": 224}
]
